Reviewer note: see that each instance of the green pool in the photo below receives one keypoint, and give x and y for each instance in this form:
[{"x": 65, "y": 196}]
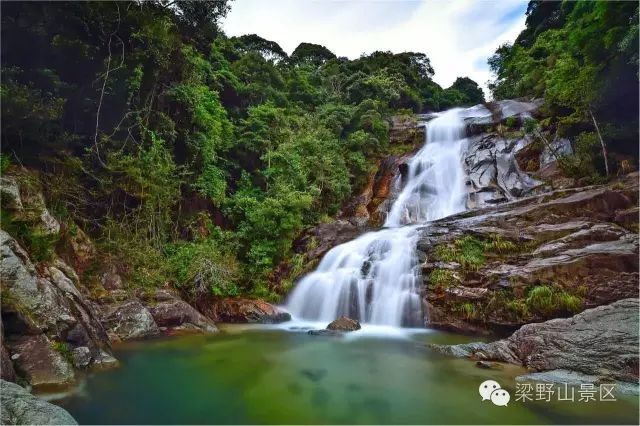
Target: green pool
[{"x": 277, "y": 375}]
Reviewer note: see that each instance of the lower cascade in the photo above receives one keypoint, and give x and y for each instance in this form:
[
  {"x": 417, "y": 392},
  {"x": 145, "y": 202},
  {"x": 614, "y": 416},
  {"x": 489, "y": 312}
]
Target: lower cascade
[{"x": 375, "y": 278}]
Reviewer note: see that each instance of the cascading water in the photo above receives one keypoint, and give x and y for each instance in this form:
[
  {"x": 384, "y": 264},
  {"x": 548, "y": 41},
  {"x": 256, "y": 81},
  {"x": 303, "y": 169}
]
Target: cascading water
[{"x": 375, "y": 278}]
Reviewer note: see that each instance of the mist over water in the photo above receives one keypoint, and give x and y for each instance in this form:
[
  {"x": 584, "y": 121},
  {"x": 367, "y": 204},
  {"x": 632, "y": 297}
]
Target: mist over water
[{"x": 375, "y": 278}]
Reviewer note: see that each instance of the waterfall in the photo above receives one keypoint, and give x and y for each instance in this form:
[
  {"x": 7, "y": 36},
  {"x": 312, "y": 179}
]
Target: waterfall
[{"x": 375, "y": 278}]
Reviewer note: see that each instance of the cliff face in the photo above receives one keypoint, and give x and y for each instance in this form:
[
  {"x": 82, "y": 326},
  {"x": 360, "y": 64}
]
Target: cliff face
[{"x": 533, "y": 259}]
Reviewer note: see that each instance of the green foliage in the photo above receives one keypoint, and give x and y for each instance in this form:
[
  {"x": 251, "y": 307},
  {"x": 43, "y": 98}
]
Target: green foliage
[
  {"x": 547, "y": 300},
  {"x": 582, "y": 162},
  {"x": 202, "y": 267},
  {"x": 467, "y": 251},
  {"x": 146, "y": 116},
  {"x": 496, "y": 243},
  {"x": 463, "y": 91},
  {"x": 64, "y": 349},
  {"x": 518, "y": 309},
  {"x": 442, "y": 278},
  {"x": 39, "y": 243},
  {"x": 469, "y": 311},
  {"x": 5, "y": 162},
  {"x": 309, "y": 53}
]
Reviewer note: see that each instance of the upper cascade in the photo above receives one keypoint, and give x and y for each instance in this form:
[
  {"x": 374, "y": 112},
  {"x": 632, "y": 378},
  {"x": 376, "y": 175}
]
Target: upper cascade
[
  {"x": 436, "y": 184},
  {"x": 375, "y": 277}
]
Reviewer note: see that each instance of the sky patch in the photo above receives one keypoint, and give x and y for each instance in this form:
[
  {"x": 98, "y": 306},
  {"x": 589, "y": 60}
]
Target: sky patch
[{"x": 457, "y": 36}]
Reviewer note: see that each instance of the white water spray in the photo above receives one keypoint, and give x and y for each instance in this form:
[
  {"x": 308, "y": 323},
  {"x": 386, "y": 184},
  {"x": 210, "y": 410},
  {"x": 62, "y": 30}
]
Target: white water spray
[{"x": 375, "y": 278}]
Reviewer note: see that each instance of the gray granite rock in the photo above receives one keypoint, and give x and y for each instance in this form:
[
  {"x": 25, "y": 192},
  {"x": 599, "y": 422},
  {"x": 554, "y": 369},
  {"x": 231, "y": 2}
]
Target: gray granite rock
[{"x": 19, "y": 407}]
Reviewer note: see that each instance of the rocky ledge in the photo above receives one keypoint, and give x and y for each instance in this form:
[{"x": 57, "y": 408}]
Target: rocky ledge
[
  {"x": 601, "y": 342},
  {"x": 541, "y": 257}
]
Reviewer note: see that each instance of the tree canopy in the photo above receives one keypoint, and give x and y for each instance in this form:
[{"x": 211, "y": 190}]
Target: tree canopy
[
  {"x": 582, "y": 57},
  {"x": 178, "y": 148}
]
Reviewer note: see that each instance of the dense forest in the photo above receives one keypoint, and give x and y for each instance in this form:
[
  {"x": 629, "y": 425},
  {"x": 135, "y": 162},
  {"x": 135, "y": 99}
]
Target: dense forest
[
  {"x": 582, "y": 57},
  {"x": 196, "y": 159}
]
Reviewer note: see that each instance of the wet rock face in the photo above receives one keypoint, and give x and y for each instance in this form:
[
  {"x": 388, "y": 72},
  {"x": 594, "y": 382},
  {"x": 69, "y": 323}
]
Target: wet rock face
[
  {"x": 494, "y": 175},
  {"x": 240, "y": 310},
  {"x": 602, "y": 341},
  {"x": 19, "y": 407},
  {"x": 344, "y": 324},
  {"x": 542, "y": 257}
]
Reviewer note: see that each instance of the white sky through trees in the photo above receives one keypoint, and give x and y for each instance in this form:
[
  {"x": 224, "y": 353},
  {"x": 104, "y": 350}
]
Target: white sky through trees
[{"x": 458, "y": 35}]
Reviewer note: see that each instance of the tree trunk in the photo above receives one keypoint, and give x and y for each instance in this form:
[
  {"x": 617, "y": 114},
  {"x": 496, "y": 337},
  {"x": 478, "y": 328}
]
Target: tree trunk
[{"x": 604, "y": 148}]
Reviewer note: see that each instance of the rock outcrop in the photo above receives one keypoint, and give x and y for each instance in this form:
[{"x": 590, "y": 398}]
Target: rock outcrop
[
  {"x": 19, "y": 407},
  {"x": 602, "y": 341},
  {"x": 240, "y": 310},
  {"x": 175, "y": 315},
  {"x": 44, "y": 315},
  {"x": 52, "y": 325},
  {"x": 482, "y": 267},
  {"x": 494, "y": 175}
]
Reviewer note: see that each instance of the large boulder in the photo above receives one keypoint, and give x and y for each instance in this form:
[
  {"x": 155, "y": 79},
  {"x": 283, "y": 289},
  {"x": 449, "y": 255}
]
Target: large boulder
[
  {"x": 129, "y": 320},
  {"x": 602, "y": 341},
  {"x": 241, "y": 310},
  {"x": 19, "y": 407},
  {"x": 43, "y": 363},
  {"x": 178, "y": 315},
  {"x": 344, "y": 324}
]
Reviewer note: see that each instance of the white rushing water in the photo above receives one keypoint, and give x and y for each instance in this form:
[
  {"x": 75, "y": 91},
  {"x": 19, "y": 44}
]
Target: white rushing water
[{"x": 375, "y": 278}]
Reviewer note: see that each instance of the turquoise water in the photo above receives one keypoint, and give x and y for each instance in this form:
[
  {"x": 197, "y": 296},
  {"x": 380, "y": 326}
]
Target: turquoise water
[{"x": 257, "y": 375}]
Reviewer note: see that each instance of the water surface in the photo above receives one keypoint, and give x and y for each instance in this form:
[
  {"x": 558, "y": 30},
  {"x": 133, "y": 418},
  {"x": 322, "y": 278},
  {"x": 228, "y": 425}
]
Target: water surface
[{"x": 275, "y": 376}]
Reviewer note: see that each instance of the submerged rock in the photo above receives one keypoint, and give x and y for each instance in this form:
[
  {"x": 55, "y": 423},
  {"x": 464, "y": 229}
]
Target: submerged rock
[
  {"x": 325, "y": 332},
  {"x": 240, "y": 310},
  {"x": 19, "y": 407},
  {"x": 602, "y": 341}
]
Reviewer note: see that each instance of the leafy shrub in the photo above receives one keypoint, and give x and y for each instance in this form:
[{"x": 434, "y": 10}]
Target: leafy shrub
[
  {"x": 582, "y": 163},
  {"x": 203, "y": 267},
  {"x": 519, "y": 309},
  {"x": 39, "y": 244},
  {"x": 469, "y": 311},
  {"x": 5, "y": 162}
]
